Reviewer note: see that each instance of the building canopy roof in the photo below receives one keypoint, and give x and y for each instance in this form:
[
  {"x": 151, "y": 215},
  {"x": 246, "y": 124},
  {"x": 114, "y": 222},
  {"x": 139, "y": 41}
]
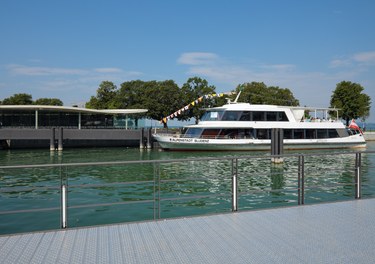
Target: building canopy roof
[{"x": 72, "y": 109}]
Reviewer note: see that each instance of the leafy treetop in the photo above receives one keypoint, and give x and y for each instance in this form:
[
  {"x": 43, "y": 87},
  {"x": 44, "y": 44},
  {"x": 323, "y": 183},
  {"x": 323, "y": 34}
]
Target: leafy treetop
[
  {"x": 353, "y": 104},
  {"x": 259, "y": 93}
]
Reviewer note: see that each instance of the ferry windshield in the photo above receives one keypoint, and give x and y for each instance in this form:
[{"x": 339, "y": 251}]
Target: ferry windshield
[
  {"x": 220, "y": 115},
  {"x": 212, "y": 116}
]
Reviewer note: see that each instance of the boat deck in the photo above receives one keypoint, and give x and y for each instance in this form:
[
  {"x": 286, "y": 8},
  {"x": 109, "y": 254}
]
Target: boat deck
[{"x": 341, "y": 232}]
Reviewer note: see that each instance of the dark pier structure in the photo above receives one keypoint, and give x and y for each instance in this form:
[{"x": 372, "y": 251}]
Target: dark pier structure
[{"x": 57, "y": 127}]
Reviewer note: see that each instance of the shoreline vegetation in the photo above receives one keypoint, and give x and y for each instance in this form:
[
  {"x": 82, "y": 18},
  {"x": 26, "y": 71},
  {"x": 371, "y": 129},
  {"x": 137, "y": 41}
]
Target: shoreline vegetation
[{"x": 163, "y": 98}]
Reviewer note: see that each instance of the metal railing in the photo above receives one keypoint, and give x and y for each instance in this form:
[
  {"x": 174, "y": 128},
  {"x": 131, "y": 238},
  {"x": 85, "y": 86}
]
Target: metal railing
[{"x": 235, "y": 170}]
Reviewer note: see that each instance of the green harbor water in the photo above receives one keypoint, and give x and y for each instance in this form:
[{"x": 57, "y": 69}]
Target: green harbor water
[{"x": 136, "y": 192}]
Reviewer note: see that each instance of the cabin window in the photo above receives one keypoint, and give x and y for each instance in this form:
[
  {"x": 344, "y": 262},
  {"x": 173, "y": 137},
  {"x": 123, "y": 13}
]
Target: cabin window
[
  {"x": 245, "y": 116},
  {"x": 212, "y": 116},
  {"x": 288, "y": 134},
  {"x": 231, "y": 116},
  {"x": 282, "y": 116},
  {"x": 262, "y": 134},
  {"x": 271, "y": 116},
  {"x": 299, "y": 133},
  {"x": 245, "y": 133},
  {"x": 193, "y": 132},
  {"x": 322, "y": 133},
  {"x": 342, "y": 132},
  {"x": 310, "y": 133},
  {"x": 210, "y": 133},
  {"x": 229, "y": 133},
  {"x": 332, "y": 133},
  {"x": 258, "y": 116}
]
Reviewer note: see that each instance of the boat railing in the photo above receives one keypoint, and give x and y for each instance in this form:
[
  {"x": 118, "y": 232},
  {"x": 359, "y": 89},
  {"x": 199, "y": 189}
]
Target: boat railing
[
  {"x": 178, "y": 135},
  {"x": 318, "y": 120},
  {"x": 159, "y": 189}
]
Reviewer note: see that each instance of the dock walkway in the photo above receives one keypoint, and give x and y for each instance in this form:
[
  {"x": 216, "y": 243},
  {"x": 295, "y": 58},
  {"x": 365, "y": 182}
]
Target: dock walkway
[{"x": 341, "y": 232}]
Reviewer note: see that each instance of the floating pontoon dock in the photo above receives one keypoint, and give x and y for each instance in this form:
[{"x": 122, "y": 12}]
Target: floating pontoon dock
[{"x": 341, "y": 232}]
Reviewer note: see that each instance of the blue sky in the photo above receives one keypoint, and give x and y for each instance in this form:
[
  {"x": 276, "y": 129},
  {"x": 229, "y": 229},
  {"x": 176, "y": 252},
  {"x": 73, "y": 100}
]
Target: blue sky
[{"x": 65, "y": 49}]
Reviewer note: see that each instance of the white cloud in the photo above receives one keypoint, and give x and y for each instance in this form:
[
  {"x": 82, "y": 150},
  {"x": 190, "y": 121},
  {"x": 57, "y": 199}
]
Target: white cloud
[
  {"x": 108, "y": 70},
  {"x": 100, "y": 73},
  {"x": 357, "y": 59},
  {"x": 337, "y": 63},
  {"x": 365, "y": 57},
  {"x": 197, "y": 58},
  {"x": 43, "y": 71},
  {"x": 279, "y": 67}
]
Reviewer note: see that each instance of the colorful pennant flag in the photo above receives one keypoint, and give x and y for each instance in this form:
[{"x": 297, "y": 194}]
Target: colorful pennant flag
[{"x": 193, "y": 103}]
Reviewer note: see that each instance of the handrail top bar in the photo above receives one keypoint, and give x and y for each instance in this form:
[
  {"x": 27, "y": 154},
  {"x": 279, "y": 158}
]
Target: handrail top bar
[{"x": 82, "y": 164}]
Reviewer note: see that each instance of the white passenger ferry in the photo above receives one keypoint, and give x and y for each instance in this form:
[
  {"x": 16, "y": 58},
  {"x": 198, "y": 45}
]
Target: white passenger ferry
[{"x": 243, "y": 126}]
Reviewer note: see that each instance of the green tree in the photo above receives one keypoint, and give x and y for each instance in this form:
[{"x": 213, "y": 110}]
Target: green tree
[
  {"x": 132, "y": 94},
  {"x": 162, "y": 99},
  {"x": 259, "y": 93},
  {"x": 48, "y": 101},
  {"x": 105, "y": 97},
  {"x": 348, "y": 97},
  {"x": 18, "y": 99},
  {"x": 193, "y": 89}
]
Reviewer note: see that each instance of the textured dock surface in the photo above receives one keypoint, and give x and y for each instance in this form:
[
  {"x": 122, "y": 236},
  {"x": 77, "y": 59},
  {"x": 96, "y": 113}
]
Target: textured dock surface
[{"x": 342, "y": 232}]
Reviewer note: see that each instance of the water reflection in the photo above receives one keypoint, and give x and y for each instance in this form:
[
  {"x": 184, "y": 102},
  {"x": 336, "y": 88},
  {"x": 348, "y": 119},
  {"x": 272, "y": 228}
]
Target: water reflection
[{"x": 184, "y": 188}]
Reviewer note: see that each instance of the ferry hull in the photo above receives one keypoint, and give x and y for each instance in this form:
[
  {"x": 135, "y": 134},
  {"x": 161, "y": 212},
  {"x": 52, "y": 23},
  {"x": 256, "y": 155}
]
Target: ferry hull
[{"x": 173, "y": 143}]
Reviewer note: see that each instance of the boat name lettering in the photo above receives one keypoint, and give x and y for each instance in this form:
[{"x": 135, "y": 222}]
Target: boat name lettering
[
  {"x": 181, "y": 139},
  {"x": 201, "y": 140},
  {"x": 195, "y": 140}
]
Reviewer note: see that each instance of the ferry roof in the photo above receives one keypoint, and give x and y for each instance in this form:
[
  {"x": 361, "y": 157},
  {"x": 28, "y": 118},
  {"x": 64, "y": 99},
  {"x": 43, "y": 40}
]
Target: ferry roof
[{"x": 72, "y": 109}]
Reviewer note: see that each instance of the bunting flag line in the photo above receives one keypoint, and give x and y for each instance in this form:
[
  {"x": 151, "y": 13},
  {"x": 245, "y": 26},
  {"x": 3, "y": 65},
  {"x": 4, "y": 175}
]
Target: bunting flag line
[{"x": 187, "y": 107}]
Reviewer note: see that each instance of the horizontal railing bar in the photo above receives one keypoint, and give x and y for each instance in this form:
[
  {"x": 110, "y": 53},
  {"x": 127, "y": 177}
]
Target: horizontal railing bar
[
  {"x": 267, "y": 190},
  {"x": 257, "y": 175},
  {"x": 109, "y": 184},
  {"x": 294, "y": 189},
  {"x": 193, "y": 179},
  {"x": 29, "y": 210},
  {"x": 20, "y": 189},
  {"x": 108, "y": 204},
  {"x": 194, "y": 197}
]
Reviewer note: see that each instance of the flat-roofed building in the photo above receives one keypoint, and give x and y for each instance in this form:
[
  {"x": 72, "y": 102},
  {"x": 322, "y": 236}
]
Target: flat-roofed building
[
  {"x": 23, "y": 126},
  {"x": 43, "y": 116}
]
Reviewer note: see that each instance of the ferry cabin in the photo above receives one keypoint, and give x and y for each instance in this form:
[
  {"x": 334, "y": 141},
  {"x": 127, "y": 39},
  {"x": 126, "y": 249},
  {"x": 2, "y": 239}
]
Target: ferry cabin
[
  {"x": 242, "y": 126},
  {"x": 258, "y": 124}
]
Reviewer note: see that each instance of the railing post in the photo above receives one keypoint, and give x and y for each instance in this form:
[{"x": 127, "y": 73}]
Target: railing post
[
  {"x": 156, "y": 189},
  {"x": 234, "y": 185},
  {"x": 64, "y": 207},
  {"x": 301, "y": 180},
  {"x": 159, "y": 187},
  {"x": 358, "y": 184}
]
